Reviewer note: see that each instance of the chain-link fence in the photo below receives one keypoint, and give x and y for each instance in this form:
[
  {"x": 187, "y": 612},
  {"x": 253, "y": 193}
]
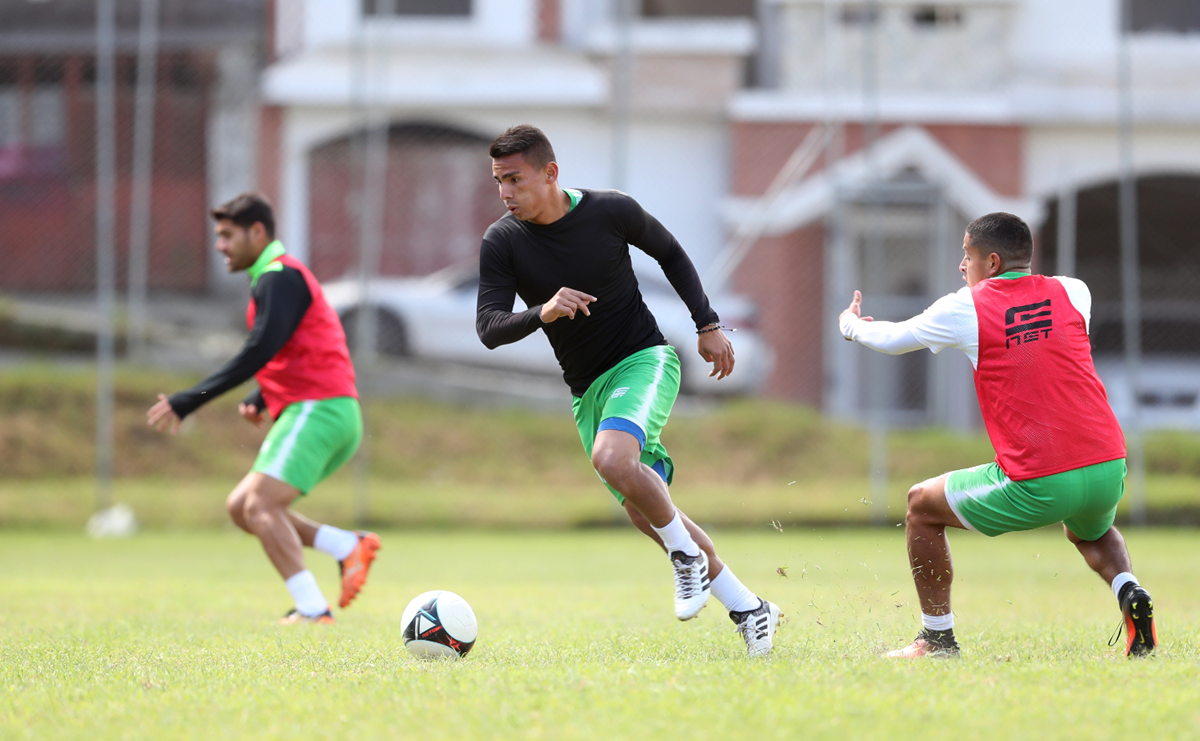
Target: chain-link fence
[{"x": 110, "y": 161}]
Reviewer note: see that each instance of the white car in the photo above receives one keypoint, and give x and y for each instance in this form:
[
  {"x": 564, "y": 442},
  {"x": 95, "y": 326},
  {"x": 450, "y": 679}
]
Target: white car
[
  {"x": 433, "y": 317},
  {"x": 1168, "y": 391}
]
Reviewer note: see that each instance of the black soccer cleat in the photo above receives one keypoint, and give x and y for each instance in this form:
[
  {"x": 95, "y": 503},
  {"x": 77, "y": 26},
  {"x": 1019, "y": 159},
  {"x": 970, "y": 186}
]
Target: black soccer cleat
[{"x": 1138, "y": 609}]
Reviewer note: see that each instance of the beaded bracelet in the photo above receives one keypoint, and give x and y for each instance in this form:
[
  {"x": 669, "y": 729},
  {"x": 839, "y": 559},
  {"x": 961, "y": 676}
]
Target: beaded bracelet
[{"x": 714, "y": 328}]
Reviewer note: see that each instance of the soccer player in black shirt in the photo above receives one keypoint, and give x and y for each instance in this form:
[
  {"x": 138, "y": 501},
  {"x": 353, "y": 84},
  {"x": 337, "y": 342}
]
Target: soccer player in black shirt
[{"x": 566, "y": 253}]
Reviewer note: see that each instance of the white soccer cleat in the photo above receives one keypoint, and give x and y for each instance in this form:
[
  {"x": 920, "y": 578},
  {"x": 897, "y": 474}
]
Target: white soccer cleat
[
  {"x": 758, "y": 627},
  {"x": 691, "y": 584}
]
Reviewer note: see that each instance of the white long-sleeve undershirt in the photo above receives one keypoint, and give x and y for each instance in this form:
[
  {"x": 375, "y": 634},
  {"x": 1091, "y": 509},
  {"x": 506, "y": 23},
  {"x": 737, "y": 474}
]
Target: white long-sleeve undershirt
[{"x": 949, "y": 322}]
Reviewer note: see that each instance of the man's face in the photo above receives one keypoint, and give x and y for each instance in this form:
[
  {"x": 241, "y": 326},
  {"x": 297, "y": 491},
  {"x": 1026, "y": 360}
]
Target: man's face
[
  {"x": 976, "y": 267},
  {"x": 236, "y": 244},
  {"x": 525, "y": 190}
]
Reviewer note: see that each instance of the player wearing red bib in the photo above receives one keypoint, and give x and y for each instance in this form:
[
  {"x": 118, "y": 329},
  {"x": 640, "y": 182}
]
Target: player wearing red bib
[
  {"x": 1060, "y": 454},
  {"x": 297, "y": 353}
]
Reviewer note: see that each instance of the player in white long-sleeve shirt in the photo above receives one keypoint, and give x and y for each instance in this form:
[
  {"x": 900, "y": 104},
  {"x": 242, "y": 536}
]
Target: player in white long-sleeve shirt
[
  {"x": 1060, "y": 454},
  {"x": 948, "y": 322}
]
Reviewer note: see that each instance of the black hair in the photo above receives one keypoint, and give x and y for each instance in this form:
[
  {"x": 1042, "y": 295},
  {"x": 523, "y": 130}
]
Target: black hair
[
  {"x": 524, "y": 139},
  {"x": 246, "y": 210},
  {"x": 1006, "y": 235}
]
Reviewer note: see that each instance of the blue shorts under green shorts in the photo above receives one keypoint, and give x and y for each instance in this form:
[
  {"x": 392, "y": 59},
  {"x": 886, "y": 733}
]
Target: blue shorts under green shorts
[
  {"x": 1084, "y": 499},
  {"x": 311, "y": 440},
  {"x": 634, "y": 396}
]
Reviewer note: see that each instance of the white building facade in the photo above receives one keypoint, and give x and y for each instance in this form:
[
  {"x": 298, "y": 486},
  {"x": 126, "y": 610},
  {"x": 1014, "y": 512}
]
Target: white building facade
[
  {"x": 930, "y": 114},
  {"x": 798, "y": 148},
  {"x": 450, "y": 76}
]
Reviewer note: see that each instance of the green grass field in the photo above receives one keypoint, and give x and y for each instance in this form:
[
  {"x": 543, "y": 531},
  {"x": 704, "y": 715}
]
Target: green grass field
[{"x": 169, "y": 635}]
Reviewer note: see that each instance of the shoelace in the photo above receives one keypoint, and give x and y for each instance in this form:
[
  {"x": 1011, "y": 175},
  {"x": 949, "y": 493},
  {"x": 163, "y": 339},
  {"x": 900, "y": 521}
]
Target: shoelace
[
  {"x": 1116, "y": 636},
  {"x": 755, "y": 623},
  {"x": 687, "y": 581}
]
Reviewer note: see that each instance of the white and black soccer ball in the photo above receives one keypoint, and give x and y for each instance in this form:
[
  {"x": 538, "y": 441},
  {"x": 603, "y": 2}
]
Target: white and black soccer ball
[{"x": 439, "y": 624}]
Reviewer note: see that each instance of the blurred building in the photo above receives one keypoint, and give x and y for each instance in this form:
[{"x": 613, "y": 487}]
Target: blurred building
[
  {"x": 450, "y": 75},
  {"x": 798, "y": 148},
  {"x": 204, "y": 114},
  {"x": 937, "y": 113}
]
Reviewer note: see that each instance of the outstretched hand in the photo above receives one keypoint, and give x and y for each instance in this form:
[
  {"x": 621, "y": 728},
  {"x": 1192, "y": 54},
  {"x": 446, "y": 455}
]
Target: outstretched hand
[
  {"x": 716, "y": 348},
  {"x": 856, "y": 308},
  {"x": 565, "y": 303},
  {"x": 162, "y": 416},
  {"x": 252, "y": 414}
]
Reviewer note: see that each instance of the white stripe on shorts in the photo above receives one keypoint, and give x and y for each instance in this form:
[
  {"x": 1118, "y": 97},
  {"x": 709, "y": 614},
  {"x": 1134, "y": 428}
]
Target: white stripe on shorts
[
  {"x": 954, "y": 497},
  {"x": 275, "y": 470},
  {"x": 642, "y": 414}
]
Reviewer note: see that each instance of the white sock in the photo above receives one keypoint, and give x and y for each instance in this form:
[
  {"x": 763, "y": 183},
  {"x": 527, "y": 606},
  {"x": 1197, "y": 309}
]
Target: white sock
[
  {"x": 335, "y": 542},
  {"x": 1121, "y": 580},
  {"x": 938, "y": 622},
  {"x": 675, "y": 537},
  {"x": 732, "y": 593},
  {"x": 304, "y": 589}
]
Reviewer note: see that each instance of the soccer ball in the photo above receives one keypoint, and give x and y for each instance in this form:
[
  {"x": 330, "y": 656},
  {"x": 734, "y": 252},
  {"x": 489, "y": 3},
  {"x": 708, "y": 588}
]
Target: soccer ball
[{"x": 439, "y": 625}]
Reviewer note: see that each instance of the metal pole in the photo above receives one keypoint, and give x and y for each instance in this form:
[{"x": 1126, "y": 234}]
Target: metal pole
[
  {"x": 1130, "y": 279},
  {"x": 1067, "y": 220},
  {"x": 621, "y": 107},
  {"x": 877, "y": 377},
  {"x": 876, "y": 369},
  {"x": 622, "y": 91},
  {"x": 372, "y": 203},
  {"x": 143, "y": 164},
  {"x": 841, "y": 394},
  {"x": 106, "y": 185}
]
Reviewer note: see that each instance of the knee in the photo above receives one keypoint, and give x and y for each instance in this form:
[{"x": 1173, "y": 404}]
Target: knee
[
  {"x": 612, "y": 465},
  {"x": 254, "y": 508},
  {"x": 918, "y": 502},
  {"x": 235, "y": 505}
]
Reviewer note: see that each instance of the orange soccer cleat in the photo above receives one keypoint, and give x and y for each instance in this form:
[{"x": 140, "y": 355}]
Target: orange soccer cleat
[
  {"x": 295, "y": 617},
  {"x": 354, "y": 567},
  {"x": 937, "y": 644},
  {"x": 1140, "y": 635}
]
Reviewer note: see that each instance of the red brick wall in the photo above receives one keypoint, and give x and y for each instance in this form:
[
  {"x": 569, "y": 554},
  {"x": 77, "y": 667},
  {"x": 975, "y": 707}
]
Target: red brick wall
[
  {"x": 994, "y": 153},
  {"x": 439, "y": 199},
  {"x": 549, "y": 21},
  {"x": 786, "y": 275},
  {"x": 48, "y": 205},
  {"x": 270, "y": 154}
]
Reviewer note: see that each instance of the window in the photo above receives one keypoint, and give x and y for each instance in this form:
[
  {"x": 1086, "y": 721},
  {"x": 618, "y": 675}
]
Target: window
[
  {"x": 698, "y": 8},
  {"x": 859, "y": 15},
  {"x": 935, "y": 16},
  {"x": 183, "y": 75},
  {"x": 47, "y": 104},
  {"x": 417, "y": 7},
  {"x": 47, "y": 113},
  {"x": 1170, "y": 16},
  {"x": 10, "y": 116}
]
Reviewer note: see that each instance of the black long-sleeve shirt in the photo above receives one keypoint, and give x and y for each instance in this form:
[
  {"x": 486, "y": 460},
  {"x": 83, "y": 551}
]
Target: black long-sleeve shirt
[
  {"x": 586, "y": 250},
  {"x": 281, "y": 298}
]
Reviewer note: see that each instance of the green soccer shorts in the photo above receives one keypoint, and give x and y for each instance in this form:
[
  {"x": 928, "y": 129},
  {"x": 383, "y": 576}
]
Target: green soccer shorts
[
  {"x": 311, "y": 440},
  {"x": 1084, "y": 499},
  {"x": 634, "y": 396}
]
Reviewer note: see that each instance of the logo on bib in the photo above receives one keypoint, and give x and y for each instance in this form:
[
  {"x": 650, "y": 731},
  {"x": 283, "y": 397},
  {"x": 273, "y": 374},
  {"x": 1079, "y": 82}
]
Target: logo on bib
[
  {"x": 617, "y": 394},
  {"x": 1026, "y": 324}
]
